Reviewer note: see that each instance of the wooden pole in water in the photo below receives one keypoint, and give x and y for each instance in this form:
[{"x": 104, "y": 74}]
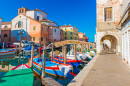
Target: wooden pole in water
[
  {"x": 44, "y": 63},
  {"x": 52, "y": 51},
  {"x": 3, "y": 45},
  {"x": 74, "y": 51},
  {"x": 32, "y": 55},
  {"x": 85, "y": 48},
  {"x": 65, "y": 54},
  {"x": 63, "y": 50},
  {"x": 81, "y": 49}
]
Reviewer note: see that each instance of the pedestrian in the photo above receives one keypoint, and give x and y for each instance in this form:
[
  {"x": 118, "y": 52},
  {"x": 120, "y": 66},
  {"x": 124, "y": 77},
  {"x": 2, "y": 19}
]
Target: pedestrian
[{"x": 103, "y": 46}]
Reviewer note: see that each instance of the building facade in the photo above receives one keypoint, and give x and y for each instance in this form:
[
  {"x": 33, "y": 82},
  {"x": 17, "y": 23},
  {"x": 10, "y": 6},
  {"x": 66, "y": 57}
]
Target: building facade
[
  {"x": 54, "y": 31},
  {"x": 27, "y": 26},
  {"x": 0, "y": 27},
  {"x": 6, "y": 32},
  {"x": 82, "y": 36},
  {"x": 108, "y": 17},
  {"x": 125, "y": 28},
  {"x": 70, "y": 32}
]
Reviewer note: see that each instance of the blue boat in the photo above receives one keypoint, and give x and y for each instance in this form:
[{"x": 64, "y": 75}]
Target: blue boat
[
  {"x": 68, "y": 61},
  {"x": 29, "y": 48},
  {"x": 52, "y": 67}
]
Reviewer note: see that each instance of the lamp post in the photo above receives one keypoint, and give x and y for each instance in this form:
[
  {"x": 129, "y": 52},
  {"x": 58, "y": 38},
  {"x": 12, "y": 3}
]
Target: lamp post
[{"x": 20, "y": 33}]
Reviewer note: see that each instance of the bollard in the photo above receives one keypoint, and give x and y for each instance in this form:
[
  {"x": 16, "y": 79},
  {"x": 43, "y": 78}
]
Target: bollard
[{"x": 32, "y": 55}]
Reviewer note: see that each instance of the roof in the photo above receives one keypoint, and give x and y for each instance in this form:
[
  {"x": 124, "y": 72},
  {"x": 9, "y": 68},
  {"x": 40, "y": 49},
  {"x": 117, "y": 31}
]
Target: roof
[
  {"x": 38, "y": 10},
  {"x": 46, "y": 20},
  {"x": 66, "y": 26},
  {"x": 6, "y": 22}
]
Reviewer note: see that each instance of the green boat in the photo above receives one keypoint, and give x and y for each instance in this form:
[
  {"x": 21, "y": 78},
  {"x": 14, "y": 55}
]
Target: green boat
[{"x": 21, "y": 75}]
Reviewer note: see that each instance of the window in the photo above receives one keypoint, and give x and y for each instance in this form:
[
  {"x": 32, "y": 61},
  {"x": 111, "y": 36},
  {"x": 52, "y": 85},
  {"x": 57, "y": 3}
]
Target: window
[
  {"x": 55, "y": 30},
  {"x": 6, "y": 26},
  {"x": 70, "y": 37},
  {"x": 108, "y": 14},
  {"x": 65, "y": 37},
  {"x": 5, "y": 35},
  {"x": 41, "y": 38},
  {"x": 38, "y": 18},
  {"x": 70, "y": 28},
  {"x": 19, "y": 24},
  {"x": 65, "y": 33},
  {"x": 46, "y": 39},
  {"x": 33, "y": 38},
  {"x": 70, "y": 33},
  {"x": 47, "y": 29},
  {"x": 34, "y": 28},
  {"x": 22, "y": 10},
  {"x": 65, "y": 28},
  {"x": 42, "y": 28}
]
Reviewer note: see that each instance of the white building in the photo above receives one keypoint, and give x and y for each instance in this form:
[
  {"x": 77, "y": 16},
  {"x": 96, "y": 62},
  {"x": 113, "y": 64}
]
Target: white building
[
  {"x": 108, "y": 17},
  {"x": 0, "y": 28},
  {"x": 125, "y": 27}
]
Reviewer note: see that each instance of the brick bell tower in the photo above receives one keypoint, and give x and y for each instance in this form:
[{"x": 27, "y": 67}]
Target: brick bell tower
[{"x": 22, "y": 10}]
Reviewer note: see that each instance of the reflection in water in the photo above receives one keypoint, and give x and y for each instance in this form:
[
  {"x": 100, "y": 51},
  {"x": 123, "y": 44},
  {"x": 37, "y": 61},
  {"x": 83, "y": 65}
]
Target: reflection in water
[{"x": 11, "y": 61}]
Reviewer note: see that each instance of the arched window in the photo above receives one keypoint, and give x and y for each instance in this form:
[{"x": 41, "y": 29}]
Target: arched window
[
  {"x": 5, "y": 35},
  {"x": 6, "y": 26},
  {"x": 19, "y": 24},
  {"x": 20, "y": 11}
]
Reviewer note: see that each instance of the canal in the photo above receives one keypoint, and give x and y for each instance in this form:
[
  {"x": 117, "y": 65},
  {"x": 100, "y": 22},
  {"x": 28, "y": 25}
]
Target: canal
[{"x": 11, "y": 61}]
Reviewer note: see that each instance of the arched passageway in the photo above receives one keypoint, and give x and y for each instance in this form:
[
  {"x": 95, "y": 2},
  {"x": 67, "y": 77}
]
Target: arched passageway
[{"x": 113, "y": 46}]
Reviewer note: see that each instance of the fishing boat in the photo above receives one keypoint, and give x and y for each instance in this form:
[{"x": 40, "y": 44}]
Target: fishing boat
[
  {"x": 29, "y": 48},
  {"x": 52, "y": 67},
  {"x": 7, "y": 52},
  {"x": 22, "y": 75},
  {"x": 68, "y": 61}
]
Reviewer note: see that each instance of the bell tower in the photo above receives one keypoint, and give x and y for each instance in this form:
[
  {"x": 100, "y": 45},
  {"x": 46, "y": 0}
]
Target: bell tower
[{"x": 22, "y": 10}]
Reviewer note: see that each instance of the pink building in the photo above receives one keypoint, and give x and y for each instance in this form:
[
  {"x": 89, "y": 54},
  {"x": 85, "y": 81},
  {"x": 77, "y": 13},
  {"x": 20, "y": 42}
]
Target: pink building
[{"x": 6, "y": 32}]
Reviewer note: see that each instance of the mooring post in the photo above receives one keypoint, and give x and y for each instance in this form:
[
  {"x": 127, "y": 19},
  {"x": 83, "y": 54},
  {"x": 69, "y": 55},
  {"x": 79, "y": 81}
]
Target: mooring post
[
  {"x": 63, "y": 50},
  {"x": 44, "y": 61},
  {"x": 32, "y": 55},
  {"x": 75, "y": 51},
  {"x": 52, "y": 51},
  {"x": 81, "y": 49},
  {"x": 65, "y": 54},
  {"x": 3, "y": 45},
  {"x": 85, "y": 48}
]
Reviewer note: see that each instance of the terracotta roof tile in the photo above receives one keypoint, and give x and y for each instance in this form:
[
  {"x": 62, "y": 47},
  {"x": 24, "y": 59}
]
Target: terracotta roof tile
[
  {"x": 66, "y": 26},
  {"x": 38, "y": 10},
  {"x": 6, "y": 22}
]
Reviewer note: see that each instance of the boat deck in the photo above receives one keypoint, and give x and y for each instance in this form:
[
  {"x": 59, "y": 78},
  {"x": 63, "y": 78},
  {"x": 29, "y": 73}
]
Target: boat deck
[{"x": 23, "y": 77}]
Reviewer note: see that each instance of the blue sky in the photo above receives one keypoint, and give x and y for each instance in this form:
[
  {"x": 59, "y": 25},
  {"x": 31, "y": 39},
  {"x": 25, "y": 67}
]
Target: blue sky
[{"x": 79, "y": 13}]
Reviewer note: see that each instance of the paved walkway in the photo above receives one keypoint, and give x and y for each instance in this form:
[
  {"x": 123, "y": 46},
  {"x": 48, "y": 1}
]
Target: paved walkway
[{"x": 108, "y": 70}]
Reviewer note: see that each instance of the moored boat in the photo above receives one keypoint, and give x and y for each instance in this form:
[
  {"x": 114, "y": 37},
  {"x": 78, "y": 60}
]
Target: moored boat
[
  {"x": 7, "y": 52},
  {"x": 52, "y": 67},
  {"x": 68, "y": 61},
  {"x": 22, "y": 75}
]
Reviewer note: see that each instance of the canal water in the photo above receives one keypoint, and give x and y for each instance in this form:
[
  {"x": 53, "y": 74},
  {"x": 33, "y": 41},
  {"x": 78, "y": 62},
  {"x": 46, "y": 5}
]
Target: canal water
[{"x": 11, "y": 61}]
